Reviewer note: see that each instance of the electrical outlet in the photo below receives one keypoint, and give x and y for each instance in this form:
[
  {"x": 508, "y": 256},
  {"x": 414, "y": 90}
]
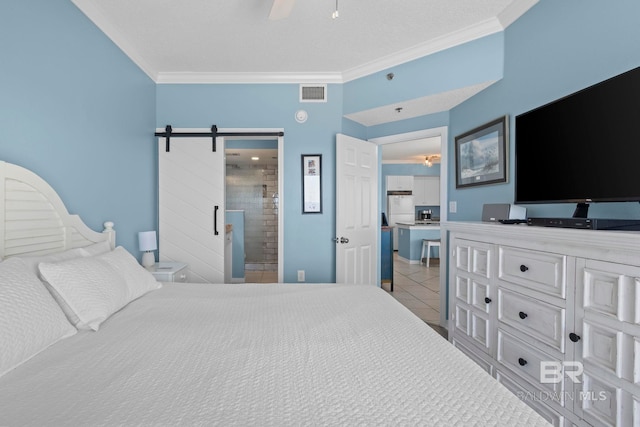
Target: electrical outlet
[
  {"x": 453, "y": 207},
  {"x": 300, "y": 275}
]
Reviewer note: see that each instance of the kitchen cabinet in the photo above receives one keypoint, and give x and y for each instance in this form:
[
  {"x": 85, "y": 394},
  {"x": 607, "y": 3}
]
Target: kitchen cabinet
[
  {"x": 426, "y": 190},
  {"x": 399, "y": 183}
]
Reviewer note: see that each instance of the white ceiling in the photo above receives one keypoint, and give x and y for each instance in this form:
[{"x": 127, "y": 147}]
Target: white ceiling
[
  {"x": 233, "y": 41},
  {"x": 413, "y": 151}
]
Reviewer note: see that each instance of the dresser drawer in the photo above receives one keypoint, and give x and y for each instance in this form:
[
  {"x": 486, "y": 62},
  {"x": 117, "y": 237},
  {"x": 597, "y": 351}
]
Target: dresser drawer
[
  {"x": 474, "y": 325},
  {"x": 540, "y": 271},
  {"x": 535, "y": 318},
  {"x": 525, "y": 361},
  {"x": 473, "y": 258},
  {"x": 473, "y": 293}
]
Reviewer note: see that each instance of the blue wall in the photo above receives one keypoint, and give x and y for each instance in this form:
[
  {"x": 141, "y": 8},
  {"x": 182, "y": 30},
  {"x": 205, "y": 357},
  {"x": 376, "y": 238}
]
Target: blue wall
[
  {"x": 307, "y": 238},
  {"x": 75, "y": 110},
  {"x": 468, "y": 64},
  {"x": 555, "y": 49}
]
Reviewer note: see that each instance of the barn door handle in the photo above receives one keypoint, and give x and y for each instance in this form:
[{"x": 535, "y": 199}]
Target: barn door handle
[{"x": 215, "y": 220}]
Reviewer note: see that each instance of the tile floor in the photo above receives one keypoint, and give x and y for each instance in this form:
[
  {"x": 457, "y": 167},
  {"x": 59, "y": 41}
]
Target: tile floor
[
  {"x": 260, "y": 276},
  {"x": 261, "y": 272},
  {"x": 418, "y": 288}
]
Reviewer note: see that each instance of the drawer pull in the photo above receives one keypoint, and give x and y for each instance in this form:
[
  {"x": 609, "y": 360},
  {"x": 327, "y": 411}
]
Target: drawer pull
[
  {"x": 523, "y": 268},
  {"x": 523, "y": 315},
  {"x": 522, "y": 362},
  {"x": 574, "y": 337},
  {"x": 487, "y": 300}
]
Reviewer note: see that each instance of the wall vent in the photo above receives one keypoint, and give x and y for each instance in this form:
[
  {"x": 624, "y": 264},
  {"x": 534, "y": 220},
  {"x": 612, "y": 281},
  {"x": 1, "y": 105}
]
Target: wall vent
[{"x": 313, "y": 93}]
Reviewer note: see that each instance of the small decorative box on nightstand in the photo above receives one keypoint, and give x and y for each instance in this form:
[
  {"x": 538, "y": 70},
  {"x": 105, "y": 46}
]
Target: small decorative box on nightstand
[{"x": 169, "y": 271}]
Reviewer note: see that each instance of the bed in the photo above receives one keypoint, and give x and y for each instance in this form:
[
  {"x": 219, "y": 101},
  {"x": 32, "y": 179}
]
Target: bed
[{"x": 209, "y": 354}]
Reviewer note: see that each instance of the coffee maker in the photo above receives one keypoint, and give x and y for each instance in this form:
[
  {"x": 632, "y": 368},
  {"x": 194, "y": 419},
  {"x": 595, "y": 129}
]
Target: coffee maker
[{"x": 425, "y": 214}]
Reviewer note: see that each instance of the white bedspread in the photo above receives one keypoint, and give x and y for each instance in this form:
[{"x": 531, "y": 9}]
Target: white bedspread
[{"x": 193, "y": 354}]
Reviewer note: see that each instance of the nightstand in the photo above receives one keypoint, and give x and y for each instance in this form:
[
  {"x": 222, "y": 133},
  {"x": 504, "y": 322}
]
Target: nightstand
[{"x": 169, "y": 271}]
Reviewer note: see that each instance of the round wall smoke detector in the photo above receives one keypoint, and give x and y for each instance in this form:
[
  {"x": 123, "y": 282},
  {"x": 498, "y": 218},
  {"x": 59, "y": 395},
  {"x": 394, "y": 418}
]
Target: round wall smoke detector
[{"x": 301, "y": 116}]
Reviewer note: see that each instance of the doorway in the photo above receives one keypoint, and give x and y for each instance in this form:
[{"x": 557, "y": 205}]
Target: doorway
[
  {"x": 442, "y": 134},
  {"x": 253, "y": 207}
]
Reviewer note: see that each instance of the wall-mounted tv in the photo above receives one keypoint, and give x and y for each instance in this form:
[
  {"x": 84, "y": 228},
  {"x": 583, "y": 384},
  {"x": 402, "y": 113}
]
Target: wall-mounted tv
[{"x": 582, "y": 148}]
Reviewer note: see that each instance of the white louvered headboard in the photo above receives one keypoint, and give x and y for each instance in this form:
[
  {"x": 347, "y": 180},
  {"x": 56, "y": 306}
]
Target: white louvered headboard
[{"x": 33, "y": 219}]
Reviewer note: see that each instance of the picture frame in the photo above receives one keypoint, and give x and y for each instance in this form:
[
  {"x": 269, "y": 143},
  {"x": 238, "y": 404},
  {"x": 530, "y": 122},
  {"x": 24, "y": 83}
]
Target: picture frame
[
  {"x": 311, "y": 183},
  {"x": 481, "y": 154}
]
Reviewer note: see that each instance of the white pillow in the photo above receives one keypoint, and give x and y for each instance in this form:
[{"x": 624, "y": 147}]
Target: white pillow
[
  {"x": 138, "y": 279},
  {"x": 96, "y": 287},
  {"x": 33, "y": 261},
  {"x": 30, "y": 320}
]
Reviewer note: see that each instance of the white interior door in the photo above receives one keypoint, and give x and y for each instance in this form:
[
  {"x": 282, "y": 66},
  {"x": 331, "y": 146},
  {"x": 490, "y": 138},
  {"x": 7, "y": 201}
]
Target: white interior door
[
  {"x": 356, "y": 211},
  {"x": 191, "y": 206}
]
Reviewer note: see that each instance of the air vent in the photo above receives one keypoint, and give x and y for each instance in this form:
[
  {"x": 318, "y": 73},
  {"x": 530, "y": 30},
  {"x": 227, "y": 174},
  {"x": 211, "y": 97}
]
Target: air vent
[{"x": 313, "y": 93}]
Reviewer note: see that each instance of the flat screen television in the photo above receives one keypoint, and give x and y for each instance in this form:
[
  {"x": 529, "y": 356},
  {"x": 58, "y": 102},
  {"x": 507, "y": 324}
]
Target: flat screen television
[{"x": 582, "y": 148}]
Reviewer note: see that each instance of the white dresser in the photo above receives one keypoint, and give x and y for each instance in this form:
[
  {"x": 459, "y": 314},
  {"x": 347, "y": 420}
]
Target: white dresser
[{"x": 553, "y": 314}]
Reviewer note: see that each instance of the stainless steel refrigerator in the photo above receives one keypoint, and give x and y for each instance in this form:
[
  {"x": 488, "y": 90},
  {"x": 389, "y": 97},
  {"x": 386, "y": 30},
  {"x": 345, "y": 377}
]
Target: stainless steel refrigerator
[{"x": 400, "y": 208}]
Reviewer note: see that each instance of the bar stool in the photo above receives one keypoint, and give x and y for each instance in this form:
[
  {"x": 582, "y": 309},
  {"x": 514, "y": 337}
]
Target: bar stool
[{"x": 427, "y": 244}]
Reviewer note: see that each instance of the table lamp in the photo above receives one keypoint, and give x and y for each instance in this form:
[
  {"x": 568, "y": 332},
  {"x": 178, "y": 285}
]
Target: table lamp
[{"x": 147, "y": 244}]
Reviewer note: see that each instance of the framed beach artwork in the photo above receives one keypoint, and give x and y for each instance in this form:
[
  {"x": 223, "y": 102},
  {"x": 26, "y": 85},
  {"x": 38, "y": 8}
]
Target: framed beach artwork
[{"x": 481, "y": 155}]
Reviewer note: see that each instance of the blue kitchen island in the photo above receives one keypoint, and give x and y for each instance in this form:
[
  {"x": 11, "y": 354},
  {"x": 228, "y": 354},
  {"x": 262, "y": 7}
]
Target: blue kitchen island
[{"x": 410, "y": 236}]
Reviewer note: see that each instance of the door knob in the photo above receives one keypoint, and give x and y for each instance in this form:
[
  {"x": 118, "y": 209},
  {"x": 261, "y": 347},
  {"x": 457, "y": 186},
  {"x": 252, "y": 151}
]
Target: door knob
[{"x": 344, "y": 240}]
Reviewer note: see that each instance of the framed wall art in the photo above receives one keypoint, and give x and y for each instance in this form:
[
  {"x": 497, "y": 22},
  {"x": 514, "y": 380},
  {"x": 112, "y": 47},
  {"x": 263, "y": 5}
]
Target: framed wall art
[
  {"x": 311, "y": 183},
  {"x": 481, "y": 155}
]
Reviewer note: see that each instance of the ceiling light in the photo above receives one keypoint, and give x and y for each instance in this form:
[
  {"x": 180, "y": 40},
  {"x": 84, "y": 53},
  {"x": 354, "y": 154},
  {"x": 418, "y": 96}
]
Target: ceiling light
[
  {"x": 335, "y": 13},
  {"x": 430, "y": 160},
  {"x": 255, "y": 158}
]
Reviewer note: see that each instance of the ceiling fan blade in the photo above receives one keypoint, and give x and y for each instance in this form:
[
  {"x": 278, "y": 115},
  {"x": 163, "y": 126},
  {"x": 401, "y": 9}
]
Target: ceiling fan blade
[{"x": 281, "y": 9}]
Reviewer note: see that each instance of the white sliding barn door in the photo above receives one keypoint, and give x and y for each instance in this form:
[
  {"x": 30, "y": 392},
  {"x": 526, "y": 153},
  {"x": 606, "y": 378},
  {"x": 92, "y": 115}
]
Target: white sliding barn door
[
  {"x": 191, "y": 206},
  {"x": 356, "y": 211}
]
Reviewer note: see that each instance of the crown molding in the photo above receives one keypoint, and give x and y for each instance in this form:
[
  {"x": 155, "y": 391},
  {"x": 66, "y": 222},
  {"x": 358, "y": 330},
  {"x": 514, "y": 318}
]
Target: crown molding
[
  {"x": 468, "y": 34},
  {"x": 246, "y": 78},
  {"x": 514, "y": 11},
  {"x": 96, "y": 16},
  {"x": 474, "y": 32}
]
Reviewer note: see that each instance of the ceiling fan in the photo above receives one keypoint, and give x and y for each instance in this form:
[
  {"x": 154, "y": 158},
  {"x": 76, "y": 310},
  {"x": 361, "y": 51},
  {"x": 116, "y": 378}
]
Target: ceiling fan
[{"x": 281, "y": 9}]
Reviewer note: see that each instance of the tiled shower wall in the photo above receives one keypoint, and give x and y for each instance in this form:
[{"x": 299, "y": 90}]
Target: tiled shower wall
[{"x": 251, "y": 188}]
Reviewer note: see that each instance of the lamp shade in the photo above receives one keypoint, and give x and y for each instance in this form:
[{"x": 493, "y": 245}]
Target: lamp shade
[{"x": 147, "y": 241}]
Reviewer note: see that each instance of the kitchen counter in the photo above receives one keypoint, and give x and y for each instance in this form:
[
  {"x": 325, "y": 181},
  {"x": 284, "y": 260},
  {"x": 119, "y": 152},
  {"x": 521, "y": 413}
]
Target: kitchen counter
[
  {"x": 429, "y": 224},
  {"x": 410, "y": 237}
]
